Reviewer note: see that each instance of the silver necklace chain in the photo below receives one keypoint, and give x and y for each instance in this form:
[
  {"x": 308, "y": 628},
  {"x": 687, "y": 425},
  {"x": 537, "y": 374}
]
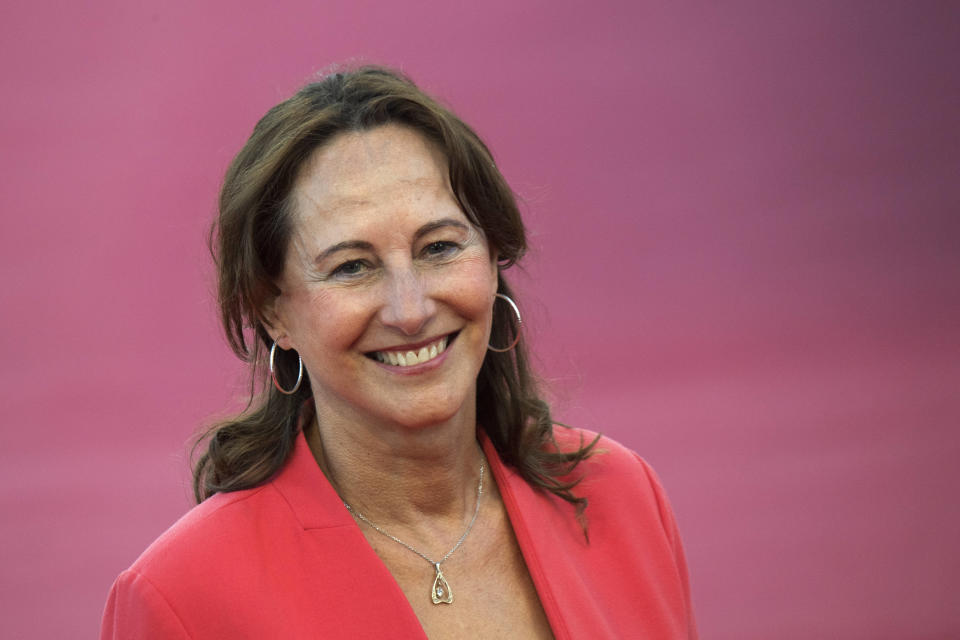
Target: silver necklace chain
[{"x": 441, "y": 592}]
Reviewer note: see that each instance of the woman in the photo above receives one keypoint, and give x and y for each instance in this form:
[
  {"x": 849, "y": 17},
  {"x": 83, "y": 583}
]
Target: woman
[{"x": 399, "y": 476}]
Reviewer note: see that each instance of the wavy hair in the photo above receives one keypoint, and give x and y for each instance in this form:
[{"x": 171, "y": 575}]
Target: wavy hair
[{"x": 249, "y": 241}]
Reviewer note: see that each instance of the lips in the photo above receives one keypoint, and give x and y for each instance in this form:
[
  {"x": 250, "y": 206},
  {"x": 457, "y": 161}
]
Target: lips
[{"x": 409, "y": 357}]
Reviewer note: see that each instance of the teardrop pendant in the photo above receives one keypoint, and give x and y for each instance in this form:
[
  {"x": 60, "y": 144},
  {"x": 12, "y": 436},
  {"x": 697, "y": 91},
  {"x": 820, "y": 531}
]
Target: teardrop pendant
[{"x": 441, "y": 593}]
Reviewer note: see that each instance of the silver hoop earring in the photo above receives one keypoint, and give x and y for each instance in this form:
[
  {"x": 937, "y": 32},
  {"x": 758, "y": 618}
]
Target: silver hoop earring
[
  {"x": 273, "y": 374},
  {"x": 516, "y": 338}
]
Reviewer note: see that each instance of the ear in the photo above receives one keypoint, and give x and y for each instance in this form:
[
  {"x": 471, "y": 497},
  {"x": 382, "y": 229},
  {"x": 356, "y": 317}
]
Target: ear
[
  {"x": 272, "y": 318},
  {"x": 494, "y": 272}
]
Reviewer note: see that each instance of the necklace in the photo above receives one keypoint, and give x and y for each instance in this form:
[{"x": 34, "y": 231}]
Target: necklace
[{"x": 440, "y": 593}]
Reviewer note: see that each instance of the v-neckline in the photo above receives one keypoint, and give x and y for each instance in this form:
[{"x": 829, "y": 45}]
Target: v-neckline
[{"x": 316, "y": 505}]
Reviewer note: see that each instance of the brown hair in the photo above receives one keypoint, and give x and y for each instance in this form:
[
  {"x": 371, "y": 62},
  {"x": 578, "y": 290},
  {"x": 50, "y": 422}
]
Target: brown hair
[{"x": 249, "y": 242}]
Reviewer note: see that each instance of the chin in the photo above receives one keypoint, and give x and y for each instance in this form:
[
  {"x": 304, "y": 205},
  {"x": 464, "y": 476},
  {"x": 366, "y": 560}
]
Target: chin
[
  {"x": 416, "y": 418},
  {"x": 423, "y": 422}
]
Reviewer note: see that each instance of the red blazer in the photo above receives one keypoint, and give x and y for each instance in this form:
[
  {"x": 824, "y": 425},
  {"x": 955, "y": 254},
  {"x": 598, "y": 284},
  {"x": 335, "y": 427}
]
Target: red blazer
[{"x": 286, "y": 560}]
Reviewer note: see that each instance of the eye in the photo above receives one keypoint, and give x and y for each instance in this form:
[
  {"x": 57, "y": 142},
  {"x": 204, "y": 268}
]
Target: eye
[
  {"x": 440, "y": 248},
  {"x": 351, "y": 268}
]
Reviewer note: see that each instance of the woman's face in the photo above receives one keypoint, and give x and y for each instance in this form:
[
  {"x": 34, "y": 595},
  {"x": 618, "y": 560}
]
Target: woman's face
[{"x": 388, "y": 289}]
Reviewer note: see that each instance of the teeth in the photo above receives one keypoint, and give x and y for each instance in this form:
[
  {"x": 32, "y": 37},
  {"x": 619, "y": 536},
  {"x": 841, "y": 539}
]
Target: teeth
[{"x": 410, "y": 358}]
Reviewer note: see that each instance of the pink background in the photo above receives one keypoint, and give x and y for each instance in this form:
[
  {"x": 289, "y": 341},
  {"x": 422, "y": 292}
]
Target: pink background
[{"x": 746, "y": 266}]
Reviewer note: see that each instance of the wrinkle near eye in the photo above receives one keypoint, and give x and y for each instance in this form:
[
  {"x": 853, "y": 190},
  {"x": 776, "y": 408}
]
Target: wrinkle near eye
[{"x": 297, "y": 263}]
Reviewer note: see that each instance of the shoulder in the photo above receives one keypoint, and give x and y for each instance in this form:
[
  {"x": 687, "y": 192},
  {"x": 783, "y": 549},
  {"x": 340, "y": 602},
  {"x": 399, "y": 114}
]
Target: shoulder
[
  {"x": 634, "y": 553},
  {"x": 210, "y": 530},
  {"x": 617, "y": 481},
  {"x": 147, "y": 599},
  {"x": 234, "y": 536},
  {"x": 253, "y": 564},
  {"x": 609, "y": 459}
]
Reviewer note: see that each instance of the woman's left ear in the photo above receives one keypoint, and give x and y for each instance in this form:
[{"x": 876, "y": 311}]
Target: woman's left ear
[
  {"x": 283, "y": 341},
  {"x": 495, "y": 269},
  {"x": 274, "y": 325}
]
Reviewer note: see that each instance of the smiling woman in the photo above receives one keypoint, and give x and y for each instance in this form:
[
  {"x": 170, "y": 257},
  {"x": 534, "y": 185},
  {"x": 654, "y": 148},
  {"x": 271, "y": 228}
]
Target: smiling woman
[
  {"x": 384, "y": 267},
  {"x": 397, "y": 473}
]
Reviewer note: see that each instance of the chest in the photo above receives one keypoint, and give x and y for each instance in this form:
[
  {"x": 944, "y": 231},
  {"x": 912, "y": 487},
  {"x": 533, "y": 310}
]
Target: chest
[{"x": 493, "y": 594}]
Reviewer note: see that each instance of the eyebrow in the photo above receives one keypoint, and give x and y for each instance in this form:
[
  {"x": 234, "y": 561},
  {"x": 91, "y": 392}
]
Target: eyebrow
[
  {"x": 439, "y": 224},
  {"x": 366, "y": 246}
]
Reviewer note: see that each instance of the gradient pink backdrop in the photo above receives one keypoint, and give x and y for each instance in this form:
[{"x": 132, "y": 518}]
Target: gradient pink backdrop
[{"x": 746, "y": 266}]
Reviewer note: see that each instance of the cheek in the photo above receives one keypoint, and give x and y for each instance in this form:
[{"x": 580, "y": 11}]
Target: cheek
[
  {"x": 325, "y": 320},
  {"x": 473, "y": 287}
]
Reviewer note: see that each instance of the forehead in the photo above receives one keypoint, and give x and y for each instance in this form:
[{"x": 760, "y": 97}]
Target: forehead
[{"x": 390, "y": 164}]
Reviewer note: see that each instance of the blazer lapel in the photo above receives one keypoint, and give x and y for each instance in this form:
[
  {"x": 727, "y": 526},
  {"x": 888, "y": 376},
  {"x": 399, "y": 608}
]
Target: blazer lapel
[{"x": 352, "y": 584}]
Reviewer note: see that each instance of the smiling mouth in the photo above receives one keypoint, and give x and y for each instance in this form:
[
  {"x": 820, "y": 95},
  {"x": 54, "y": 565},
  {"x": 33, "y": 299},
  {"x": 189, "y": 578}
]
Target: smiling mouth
[{"x": 411, "y": 357}]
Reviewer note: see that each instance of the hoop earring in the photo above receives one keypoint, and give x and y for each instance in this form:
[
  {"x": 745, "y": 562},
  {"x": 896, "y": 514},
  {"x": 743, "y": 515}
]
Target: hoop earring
[
  {"x": 273, "y": 374},
  {"x": 516, "y": 338}
]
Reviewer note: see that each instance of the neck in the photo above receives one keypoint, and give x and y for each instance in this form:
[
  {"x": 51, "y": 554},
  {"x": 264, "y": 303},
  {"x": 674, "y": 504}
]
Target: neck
[{"x": 423, "y": 479}]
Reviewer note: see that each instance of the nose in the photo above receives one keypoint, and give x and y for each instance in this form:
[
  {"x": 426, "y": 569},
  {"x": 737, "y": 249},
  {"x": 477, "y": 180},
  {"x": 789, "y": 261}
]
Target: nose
[{"x": 408, "y": 305}]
